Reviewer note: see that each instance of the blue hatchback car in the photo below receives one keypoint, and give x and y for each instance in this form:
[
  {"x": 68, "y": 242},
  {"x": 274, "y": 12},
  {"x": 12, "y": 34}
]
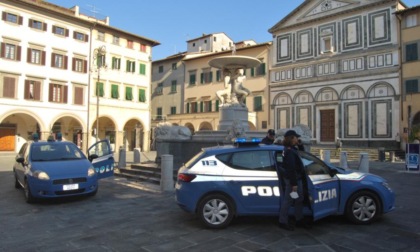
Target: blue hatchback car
[
  {"x": 50, "y": 169},
  {"x": 220, "y": 183}
]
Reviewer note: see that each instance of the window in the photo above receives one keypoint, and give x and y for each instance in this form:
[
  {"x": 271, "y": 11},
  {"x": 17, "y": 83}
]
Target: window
[
  {"x": 32, "y": 90},
  {"x": 116, "y": 40},
  {"x": 258, "y": 103},
  {"x": 99, "y": 89},
  {"x": 217, "y": 105},
  {"x": 205, "y": 106},
  {"x": 173, "y": 110},
  {"x": 130, "y": 44},
  {"x": 12, "y": 18},
  {"x": 411, "y": 52},
  {"x": 219, "y": 75},
  {"x": 60, "y": 31},
  {"x": 159, "y": 88},
  {"x": 258, "y": 71},
  {"x": 10, "y": 51},
  {"x": 130, "y": 66},
  {"x": 142, "y": 95},
  {"x": 248, "y": 160},
  {"x": 129, "y": 93},
  {"x": 411, "y": 86},
  {"x": 58, "y": 61},
  {"x": 411, "y": 20},
  {"x": 57, "y": 93},
  {"x": 79, "y": 65},
  {"x": 143, "y": 48},
  {"x": 174, "y": 66},
  {"x": 206, "y": 76},
  {"x": 159, "y": 113},
  {"x": 80, "y": 36},
  {"x": 160, "y": 69},
  {"x": 116, "y": 63},
  {"x": 78, "y": 96},
  {"x": 173, "y": 86},
  {"x": 101, "y": 36},
  {"x": 100, "y": 60},
  {"x": 114, "y": 92},
  {"x": 194, "y": 107},
  {"x": 37, "y": 25},
  {"x": 192, "y": 78},
  {"x": 142, "y": 69},
  {"x": 326, "y": 45},
  {"x": 8, "y": 89},
  {"x": 313, "y": 165},
  {"x": 36, "y": 56}
]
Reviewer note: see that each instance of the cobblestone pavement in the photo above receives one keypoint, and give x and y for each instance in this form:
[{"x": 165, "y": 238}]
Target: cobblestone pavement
[{"x": 127, "y": 216}]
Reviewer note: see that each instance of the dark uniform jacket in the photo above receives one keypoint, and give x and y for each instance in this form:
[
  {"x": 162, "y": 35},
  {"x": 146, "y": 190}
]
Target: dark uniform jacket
[{"x": 293, "y": 166}]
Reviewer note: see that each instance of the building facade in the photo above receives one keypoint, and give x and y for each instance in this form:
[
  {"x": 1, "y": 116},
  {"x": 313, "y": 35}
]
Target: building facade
[
  {"x": 335, "y": 68},
  {"x": 409, "y": 22},
  {"x": 51, "y": 70}
]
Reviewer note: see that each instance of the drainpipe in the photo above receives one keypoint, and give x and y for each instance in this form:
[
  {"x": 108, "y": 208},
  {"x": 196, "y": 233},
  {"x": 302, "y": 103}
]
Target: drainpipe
[
  {"x": 402, "y": 94},
  {"x": 89, "y": 87}
]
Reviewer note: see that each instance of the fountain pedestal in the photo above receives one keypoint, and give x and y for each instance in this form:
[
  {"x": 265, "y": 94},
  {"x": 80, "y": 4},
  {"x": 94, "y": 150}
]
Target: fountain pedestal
[{"x": 233, "y": 114}]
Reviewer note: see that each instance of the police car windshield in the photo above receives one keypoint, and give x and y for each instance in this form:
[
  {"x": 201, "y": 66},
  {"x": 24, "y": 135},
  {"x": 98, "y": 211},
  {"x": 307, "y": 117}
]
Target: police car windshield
[
  {"x": 54, "y": 152},
  {"x": 193, "y": 160}
]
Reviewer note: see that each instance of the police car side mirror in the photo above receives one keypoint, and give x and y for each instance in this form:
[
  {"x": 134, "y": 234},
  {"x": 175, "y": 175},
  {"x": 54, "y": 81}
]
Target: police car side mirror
[{"x": 333, "y": 172}]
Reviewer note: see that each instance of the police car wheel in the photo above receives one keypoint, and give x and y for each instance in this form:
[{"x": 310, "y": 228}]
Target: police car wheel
[
  {"x": 363, "y": 208},
  {"x": 216, "y": 211}
]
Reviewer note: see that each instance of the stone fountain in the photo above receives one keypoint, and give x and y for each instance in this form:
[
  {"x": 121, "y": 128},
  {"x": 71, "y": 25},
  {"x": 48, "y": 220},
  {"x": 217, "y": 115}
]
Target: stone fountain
[{"x": 232, "y": 110}]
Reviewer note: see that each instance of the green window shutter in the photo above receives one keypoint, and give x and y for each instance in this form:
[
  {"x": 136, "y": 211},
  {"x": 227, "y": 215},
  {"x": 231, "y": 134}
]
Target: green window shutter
[
  {"x": 411, "y": 52},
  {"x": 262, "y": 66},
  {"x": 129, "y": 93},
  {"x": 252, "y": 72},
  {"x": 411, "y": 86},
  {"x": 114, "y": 92},
  {"x": 210, "y": 108},
  {"x": 202, "y": 78},
  {"x": 99, "y": 89},
  {"x": 258, "y": 103},
  {"x": 192, "y": 79},
  {"x": 218, "y": 77},
  {"x": 188, "y": 107},
  {"x": 127, "y": 66},
  {"x": 217, "y": 105},
  {"x": 244, "y": 71},
  {"x": 142, "y": 69},
  {"x": 211, "y": 76},
  {"x": 134, "y": 67},
  {"x": 201, "y": 106},
  {"x": 113, "y": 62},
  {"x": 142, "y": 95}
]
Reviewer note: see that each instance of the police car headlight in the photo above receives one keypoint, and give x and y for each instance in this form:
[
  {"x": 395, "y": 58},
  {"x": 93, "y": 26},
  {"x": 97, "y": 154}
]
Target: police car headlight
[
  {"x": 41, "y": 175},
  {"x": 386, "y": 185},
  {"x": 91, "y": 172}
]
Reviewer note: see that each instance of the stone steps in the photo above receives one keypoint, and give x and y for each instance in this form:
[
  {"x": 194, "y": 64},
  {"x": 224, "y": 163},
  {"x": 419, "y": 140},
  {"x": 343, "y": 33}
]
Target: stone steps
[
  {"x": 143, "y": 172},
  {"x": 353, "y": 154}
]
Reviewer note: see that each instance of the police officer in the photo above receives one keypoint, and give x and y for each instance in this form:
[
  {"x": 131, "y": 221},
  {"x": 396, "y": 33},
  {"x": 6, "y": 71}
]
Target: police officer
[
  {"x": 269, "y": 139},
  {"x": 293, "y": 175}
]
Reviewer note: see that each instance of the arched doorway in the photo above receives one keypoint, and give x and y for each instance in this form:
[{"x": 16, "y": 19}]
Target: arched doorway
[
  {"x": 205, "y": 126},
  {"x": 70, "y": 128},
  {"x": 133, "y": 135},
  {"x": 107, "y": 130},
  {"x": 190, "y": 127},
  {"x": 18, "y": 128}
]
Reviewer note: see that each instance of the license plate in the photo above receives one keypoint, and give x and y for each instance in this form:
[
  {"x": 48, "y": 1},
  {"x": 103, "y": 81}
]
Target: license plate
[{"x": 70, "y": 187}]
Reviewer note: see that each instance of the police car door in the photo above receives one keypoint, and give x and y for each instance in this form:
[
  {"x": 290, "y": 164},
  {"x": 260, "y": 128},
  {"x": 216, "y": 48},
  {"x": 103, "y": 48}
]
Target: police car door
[
  {"x": 102, "y": 158},
  {"x": 322, "y": 187},
  {"x": 252, "y": 179}
]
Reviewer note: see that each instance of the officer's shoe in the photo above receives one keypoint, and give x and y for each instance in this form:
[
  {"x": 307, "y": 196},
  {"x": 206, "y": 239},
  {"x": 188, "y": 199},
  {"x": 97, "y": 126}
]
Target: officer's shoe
[{"x": 286, "y": 226}]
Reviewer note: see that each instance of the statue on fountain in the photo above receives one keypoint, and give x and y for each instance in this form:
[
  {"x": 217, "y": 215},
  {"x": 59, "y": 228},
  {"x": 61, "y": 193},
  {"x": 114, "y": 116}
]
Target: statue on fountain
[{"x": 234, "y": 92}]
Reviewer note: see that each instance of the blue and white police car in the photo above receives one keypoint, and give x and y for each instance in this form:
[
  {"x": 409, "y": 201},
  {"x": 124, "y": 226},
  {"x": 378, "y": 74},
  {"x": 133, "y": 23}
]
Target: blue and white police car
[{"x": 223, "y": 182}]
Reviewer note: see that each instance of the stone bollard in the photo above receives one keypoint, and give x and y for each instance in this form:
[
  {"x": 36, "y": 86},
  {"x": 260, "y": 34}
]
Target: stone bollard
[
  {"x": 343, "y": 160},
  {"x": 364, "y": 162},
  {"x": 136, "y": 158},
  {"x": 122, "y": 158},
  {"x": 326, "y": 156},
  {"x": 167, "y": 173},
  {"x": 392, "y": 156}
]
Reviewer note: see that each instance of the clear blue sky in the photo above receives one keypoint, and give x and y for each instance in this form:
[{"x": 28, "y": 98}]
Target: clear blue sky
[{"x": 173, "y": 22}]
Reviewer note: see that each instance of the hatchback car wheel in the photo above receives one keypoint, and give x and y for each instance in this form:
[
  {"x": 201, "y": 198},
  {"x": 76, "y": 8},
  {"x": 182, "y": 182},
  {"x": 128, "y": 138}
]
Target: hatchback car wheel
[
  {"x": 363, "y": 208},
  {"x": 28, "y": 194},
  {"x": 216, "y": 211}
]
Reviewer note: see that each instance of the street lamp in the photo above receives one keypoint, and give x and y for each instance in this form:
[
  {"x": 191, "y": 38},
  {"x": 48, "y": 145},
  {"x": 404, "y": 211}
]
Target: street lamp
[{"x": 99, "y": 59}]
